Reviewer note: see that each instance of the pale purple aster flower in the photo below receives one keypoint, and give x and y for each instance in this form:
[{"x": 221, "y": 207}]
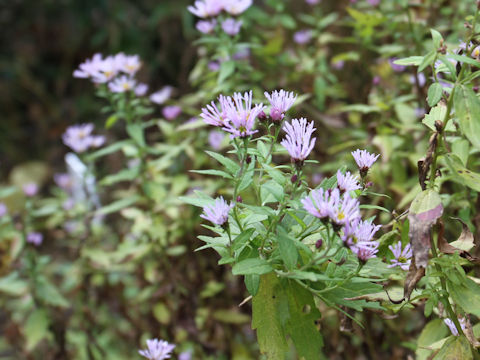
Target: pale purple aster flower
[
  {"x": 141, "y": 89},
  {"x": 396, "y": 67},
  {"x": 280, "y": 102},
  {"x": 347, "y": 182},
  {"x": 218, "y": 212},
  {"x": 242, "y": 54},
  {"x": 359, "y": 234},
  {"x": 206, "y": 8},
  {"x": 231, "y": 26},
  {"x": 298, "y": 141},
  {"x": 90, "y": 68},
  {"x": 321, "y": 203},
  {"x": 364, "y": 160},
  {"x": 122, "y": 84},
  {"x": 97, "y": 141},
  {"x": 364, "y": 253},
  {"x": 129, "y": 64},
  {"x": 186, "y": 355},
  {"x": 35, "y": 238},
  {"x": 317, "y": 178},
  {"x": 171, "y": 112},
  {"x": 3, "y": 209},
  {"x": 376, "y": 80},
  {"x": 303, "y": 36},
  {"x": 78, "y": 137},
  {"x": 215, "y": 139},
  {"x": 347, "y": 211},
  {"x": 30, "y": 189},
  {"x": 402, "y": 256},
  {"x": 108, "y": 69},
  {"x": 240, "y": 115},
  {"x": 63, "y": 180},
  {"x": 451, "y": 325},
  {"x": 236, "y": 7},
  {"x": 157, "y": 350},
  {"x": 476, "y": 53},
  {"x": 313, "y": 2},
  {"x": 213, "y": 65},
  {"x": 421, "y": 79},
  {"x": 338, "y": 65},
  {"x": 212, "y": 115},
  {"x": 420, "y": 112},
  {"x": 439, "y": 64},
  {"x": 68, "y": 204},
  {"x": 162, "y": 95},
  {"x": 206, "y": 26},
  {"x": 373, "y": 2}
]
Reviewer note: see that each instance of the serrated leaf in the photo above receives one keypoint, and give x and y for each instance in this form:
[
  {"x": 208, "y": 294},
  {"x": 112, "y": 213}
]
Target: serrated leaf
[
  {"x": 467, "y": 109},
  {"x": 435, "y": 92}
]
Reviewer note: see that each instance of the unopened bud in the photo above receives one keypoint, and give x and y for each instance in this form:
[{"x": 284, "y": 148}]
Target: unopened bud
[
  {"x": 319, "y": 243},
  {"x": 239, "y": 199},
  {"x": 248, "y": 160},
  {"x": 262, "y": 116},
  {"x": 276, "y": 115},
  {"x": 294, "y": 178},
  {"x": 368, "y": 184},
  {"x": 476, "y": 88}
]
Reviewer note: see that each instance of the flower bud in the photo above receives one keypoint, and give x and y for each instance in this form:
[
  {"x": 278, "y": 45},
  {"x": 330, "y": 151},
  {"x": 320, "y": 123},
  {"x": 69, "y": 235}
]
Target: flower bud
[
  {"x": 262, "y": 116},
  {"x": 319, "y": 243},
  {"x": 276, "y": 115},
  {"x": 294, "y": 178},
  {"x": 248, "y": 160},
  {"x": 239, "y": 199}
]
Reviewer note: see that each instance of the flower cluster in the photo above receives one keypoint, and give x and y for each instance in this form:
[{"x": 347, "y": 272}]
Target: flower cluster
[
  {"x": 79, "y": 138},
  {"x": 157, "y": 350},
  {"x": 209, "y": 9}
]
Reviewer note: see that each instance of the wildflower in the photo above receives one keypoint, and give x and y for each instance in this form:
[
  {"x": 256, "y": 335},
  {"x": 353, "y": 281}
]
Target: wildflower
[
  {"x": 231, "y": 26},
  {"x": 122, "y": 84},
  {"x": 476, "y": 53},
  {"x": 364, "y": 160},
  {"x": 215, "y": 139},
  {"x": 35, "y": 238},
  {"x": 359, "y": 234},
  {"x": 162, "y": 95},
  {"x": 303, "y": 36},
  {"x": 374, "y": 2},
  {"x": 129, "y": 64},
  {"x": 280, "y": 102},
  {"x": 451, "y": 325},
  {"x": 236, "y": 7},
  {"x": 364, "y": 254},
  {"x": 185, "y": 355},
  {"x": 396, "y": 67},
  {"x": 299, "y": 142},
  {"x": 171, "y": 112},
  {"x": 89, "y": 68},
  {"x": 320, "y": 203},
  {"x": 108, "y": 68},
  {"x": 97, "y": 141},
  {"x": 402, "y": 257},
  {"x": 338, "y": 65},
  {"x": 30, "y": 189},
  {"x": 3, "y": 209},
  {"x": 68, "y": 204},
  {"x": 206, "y": 8},
  {"x": 347, "y": 211},
  {"x": 212, "y": 115},
  {"x": 213, "y": 65},
  {"x": 240, "y": 115},
  {"x": 206, "y": 26},
  {"x": 79, "y": 138},
  {"x": 312, "y": 2},
  {"x": 141, "y": 89},
  {"x": 157, "y": 350},
  {"x": 347, "y": 182},
  {"x": 218, "y": 212},
  {"x": 376, "y": 80}
]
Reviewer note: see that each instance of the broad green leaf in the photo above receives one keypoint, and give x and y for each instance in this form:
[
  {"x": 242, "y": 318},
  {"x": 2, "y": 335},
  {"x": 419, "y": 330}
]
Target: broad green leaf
[
  {"x": 136, "y": 133},
  {"x": 252, "y": 282},
  {"x": 213, "y": 172},
  {"x": 267, "y": 308},
  {"x": 461, "y": 173},
  {"x": 13, "y": 285},
  {"x": 411, "y": 60},
  {"x": 36, "y": 328},
  {"x": 112, "y": 119},
  {"x": 226, "y": 69},
  {"x": 438, "y": 113},
  {"x": 461, "y": 148},
  {"x": 455, "y": 348},
  {"x": 435, "y": 92},
  {"x": 466, "y": 295},
  {"x": 465, "y": 59},
  {"x": 118, "y": 205},
  {"x": 231, "y": 166},
  {"x": 437, "y": 38},
  {"x": 49, "y": 294},
  {"x": 241, "y": 240},
  {"x": 271, "y": 191},
  {"x": 467, "y": 109},
  {"x": 287, "y": 248},
  {"x": 430, "y": 334},
  {"x": 427, "y": 60},
  {"x": 252, "y": 266}
]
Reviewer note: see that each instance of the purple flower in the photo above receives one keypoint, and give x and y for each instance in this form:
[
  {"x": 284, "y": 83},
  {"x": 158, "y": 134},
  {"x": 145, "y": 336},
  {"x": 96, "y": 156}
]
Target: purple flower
[
  {"x": 213, "y": 66},
  {"x": 218, "y": 212},
  {"x": 215, "y": 139},
  {"x": 3, "y": 209},
  {"x": 231, "y": 26},
  {"x": 280, "y": 102},
  {"x": 236, "y": 7},
  {"x": 402, "y": 257},
  {"x": 240, "y": 115},
  {"x": 63, "y": 181},
  {"x": 129, "y": 64},
  {"x": 185, "y": 355},
  {"x": 206, "y": 8},
  {"x": 212, "y": 115},
  {"x": 97, "y": 141},
  {"x": 141, "y": 89},
  {"x": 68, "y": 204},
  {"x": 320, "y": 203},
  {"x": 376, "y": 80},
  {"x": 171, "y": 112},
  {"x": 162, "y": 95},
  {"x": 364, "y": 160},
  {"x": 359, "y": 234},
  {"x": 347, "y": 182},
  {"x": 373, "y": 2},
  {"x": 476, "y": 53},
  {"x": 299, "y": 142},
  {"x": 338, "y": 65},
  {"x": 30, "y": 189},
  {"x": 303, "y": 36},
  {"x": 420, "y": 112},
  {"x": 79, "y": 138},
  {"x": 206, "y": 26},
  {"x": 122, "y": 84},
  {"x": 108, "y": 68},
  {"x": 421, "y": 79},
  {"x": 313, "y": 2},
  {"x": 317, "y": 178},
  {"x": 451, "y": 325},
  {"x": 347, "y": 211},
  {"x": 364, "y": 254},
  {"x": 89, "y": 68},
  {"x": 396, "y": 67},
  {"x": 35, "y": 238},
  {"x": 157, "y": 350}
]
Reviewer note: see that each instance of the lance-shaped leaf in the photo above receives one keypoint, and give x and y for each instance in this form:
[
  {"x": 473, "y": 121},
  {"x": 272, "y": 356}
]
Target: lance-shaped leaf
[
  {"x": 467, "y": 109},
  {"x": 424, "y": 212}
]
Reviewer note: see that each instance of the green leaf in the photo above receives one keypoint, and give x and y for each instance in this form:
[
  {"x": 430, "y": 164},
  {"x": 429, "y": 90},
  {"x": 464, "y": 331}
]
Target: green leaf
[
  {"x": 226, "y": 69},
  {"x": 455, "y": 348},
  {"x": 287, "y": 248},
  {"x": 466, "y": 295},
  {"x": 267, "y": 308},
  {"x": 213, "y": 172},
  {"x": 241, "y": 240},
  {"x": 461, "y": 148},
  {"x": 128, "y": 174},
  {"x": 118, "y": 205},
  {"x": 435, "y": 92},
  {"x": 271, "y": 191},
  {"x": 437, "y": 38},
  {"x": 136, "y": 133},
  {"x": 467, "y": 109},
  {"x": 36, "y": 328},
  {"x": 231, "y": 166},
  {"x": 427, "y": 60},
  {"x": 430, "y": 334},
  {"x": 438, "y": 113},
  {"x": 252, "y": 266},
  {"x": 108, "y": 149},
  {"x": 411, "y": 60},
  {"x": 49, "y": 294},
  {"x": 13, "y": 285},
  {"x": 461, "y": 173},
  {"x": 112, "y": 119},
  {"x": 464, "y": 59},
  {"x": 252, "y": 282}
]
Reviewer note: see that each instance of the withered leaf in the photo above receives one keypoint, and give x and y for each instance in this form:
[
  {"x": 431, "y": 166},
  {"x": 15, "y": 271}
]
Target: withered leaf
[{"x": 465, "y": 240}]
